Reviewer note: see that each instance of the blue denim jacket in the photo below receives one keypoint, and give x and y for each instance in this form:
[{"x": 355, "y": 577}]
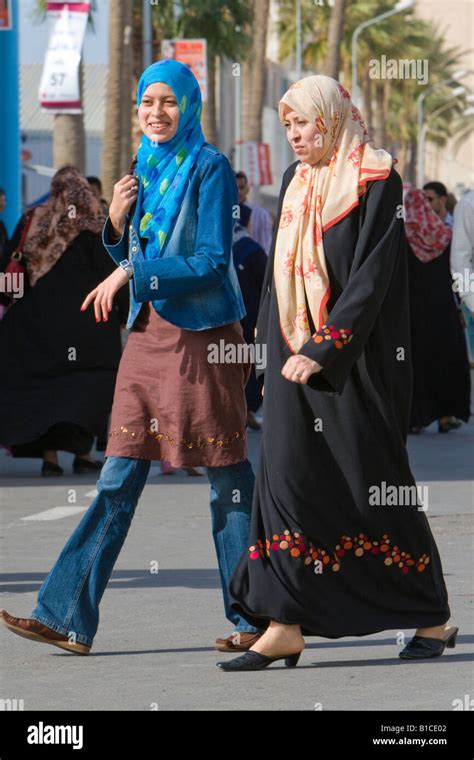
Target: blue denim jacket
[{"x": 193, "y": 284}]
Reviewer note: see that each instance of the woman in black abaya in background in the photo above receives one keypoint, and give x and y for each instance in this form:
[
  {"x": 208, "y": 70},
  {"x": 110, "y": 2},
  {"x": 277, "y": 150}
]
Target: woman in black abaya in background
[
  {"x": 250, "y": 261},
  {"x": 330, "y": 554},
  {"x": 441, "y": 379},
  {"x": 57, "y": 367}
]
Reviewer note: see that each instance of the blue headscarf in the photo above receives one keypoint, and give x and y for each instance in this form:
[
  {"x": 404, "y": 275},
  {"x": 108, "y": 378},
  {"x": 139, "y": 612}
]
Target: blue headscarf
[{"x": 163, "y": 168}]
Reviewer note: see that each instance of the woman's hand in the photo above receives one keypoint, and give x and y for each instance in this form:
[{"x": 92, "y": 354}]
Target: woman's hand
[
  {"x": 298, "y": 369},
  {"x": 103, "y": 294},
  {"x": 125, "y": 195}
]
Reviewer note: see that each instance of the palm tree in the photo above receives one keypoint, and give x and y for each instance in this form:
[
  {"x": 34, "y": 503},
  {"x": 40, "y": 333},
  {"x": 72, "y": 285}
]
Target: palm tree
[
  {"x": 163, "y": 25},
  {"x": 389, "y": 104},
  {"x": 253, "y": 74},
  {"x": 69, "y": 136},
  {"x": 314, "y": 32},
  {"x": 332, "y": 63},
  {"x": 223, "y": 23},
  {"x": 117, "y": 99},
  {"x": 69, "y": 140},
  {"x": 127, "y": 79}
]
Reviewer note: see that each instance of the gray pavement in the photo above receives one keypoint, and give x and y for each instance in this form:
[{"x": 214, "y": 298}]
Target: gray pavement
[{"x": 154, "y": 648}]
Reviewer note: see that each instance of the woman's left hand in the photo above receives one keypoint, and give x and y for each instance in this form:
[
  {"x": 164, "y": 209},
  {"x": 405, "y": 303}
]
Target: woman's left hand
[
  {"x": 298, "y": 369},
  {"x": 103, "y": 294}
]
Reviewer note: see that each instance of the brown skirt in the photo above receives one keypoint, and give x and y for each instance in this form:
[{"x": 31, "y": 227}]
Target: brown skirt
[{"x": 171, "y": 403}]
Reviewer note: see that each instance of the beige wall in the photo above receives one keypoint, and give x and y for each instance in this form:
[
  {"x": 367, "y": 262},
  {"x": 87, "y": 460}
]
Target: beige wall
[{"x": 456, "y": 20}]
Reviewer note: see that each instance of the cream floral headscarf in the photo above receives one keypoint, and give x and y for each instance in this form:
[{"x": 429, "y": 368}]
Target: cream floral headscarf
[{"x": 317, "y": 197}]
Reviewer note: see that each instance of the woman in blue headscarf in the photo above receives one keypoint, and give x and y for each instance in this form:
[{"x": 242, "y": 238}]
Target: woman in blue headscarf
[{"x": 179, "y": 394}]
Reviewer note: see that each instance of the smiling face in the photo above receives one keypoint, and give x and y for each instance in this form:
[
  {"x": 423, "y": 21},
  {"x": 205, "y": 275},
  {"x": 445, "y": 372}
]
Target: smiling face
[
  {"x": 304, "y": 137},
  {"x": 158, "y": 112}
]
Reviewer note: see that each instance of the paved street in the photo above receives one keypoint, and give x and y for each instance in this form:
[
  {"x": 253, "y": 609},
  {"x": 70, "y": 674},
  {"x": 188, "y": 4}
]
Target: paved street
[{"x": 154, "y": 648}]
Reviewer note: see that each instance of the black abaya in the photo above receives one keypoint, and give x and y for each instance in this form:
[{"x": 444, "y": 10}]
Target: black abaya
[
  {"x": 58, "y": 366},
  {"x": 250, "y": 262},
  {"x": 441, "y": 379},
  {"x": 322, "y": 554}
]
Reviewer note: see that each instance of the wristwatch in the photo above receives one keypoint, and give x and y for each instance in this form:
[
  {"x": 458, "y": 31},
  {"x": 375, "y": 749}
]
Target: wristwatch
[{"x": 128, "y": 267}]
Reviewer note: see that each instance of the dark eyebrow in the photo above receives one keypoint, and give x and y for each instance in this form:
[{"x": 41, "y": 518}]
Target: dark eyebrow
[{"x": 161, "y": 97}]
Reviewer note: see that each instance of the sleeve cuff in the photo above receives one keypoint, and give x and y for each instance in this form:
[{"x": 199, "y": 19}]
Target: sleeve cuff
[
  {"x": 108, "y": 239},
  {"x": 145, "y": 286}
]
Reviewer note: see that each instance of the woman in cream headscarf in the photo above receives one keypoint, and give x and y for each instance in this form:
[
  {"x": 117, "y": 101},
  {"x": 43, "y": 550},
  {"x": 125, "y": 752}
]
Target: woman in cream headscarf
[{"x": 339, "y": 543}]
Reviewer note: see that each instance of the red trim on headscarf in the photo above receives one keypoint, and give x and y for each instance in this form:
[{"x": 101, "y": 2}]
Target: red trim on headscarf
[
  {"x": 363, "y": 186},
  {"x": 373, "y": 171},
  {"x": 338, "y": 218},
  {"x": 284, "y": 338},
  {"x": 324, "y": 301},
  {"x": 322, "y": 305}
]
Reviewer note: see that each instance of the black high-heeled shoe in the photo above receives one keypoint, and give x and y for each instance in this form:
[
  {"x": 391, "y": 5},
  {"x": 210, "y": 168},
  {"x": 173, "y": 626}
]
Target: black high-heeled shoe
[
  {"x": 256, "y": 661},
  {"x": 82, "y": 466},
  {"x": 421, "y": 647},
  {"x": 452, "y": 424},
  {"x": 51, "y": 470}
]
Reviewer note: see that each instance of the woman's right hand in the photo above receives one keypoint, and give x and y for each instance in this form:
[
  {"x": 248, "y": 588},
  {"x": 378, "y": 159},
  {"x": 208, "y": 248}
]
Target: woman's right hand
[{"x": 125, "y": 195}]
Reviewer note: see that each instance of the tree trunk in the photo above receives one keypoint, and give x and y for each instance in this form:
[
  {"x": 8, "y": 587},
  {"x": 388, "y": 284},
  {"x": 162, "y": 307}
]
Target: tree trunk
[
  {"x": 126, "y": 106},
  {"x": 209, "y": 108},
  {"x": 402, "y": 156},
  {"x": 137, "y": 71},
  {"x": 136, "y": 129},
  {"x": 253, "y": 74},
  {"x": 411, "y": 167},
  {"x": 112, "y": 144},
  {"x": 332, "y": 63},
  {"x": 368, "y": 115},
  {"x": 69, "y": 139},
  {"x": 380, "y": 121}
]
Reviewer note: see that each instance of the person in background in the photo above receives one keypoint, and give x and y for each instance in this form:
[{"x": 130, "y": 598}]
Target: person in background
[
  {"x": 96, "y": 187},
  {"x": 260, "y": 224},
  {"x": 441, "y": 387},
  {"x": 3, "y": 234},
  {"x": 462, "y": 263},
  {"x": 58, "y": 368},
  {"x": 250, "y": 261},
  {"x": 437, "y": 195},
  {"x": 451, "y": 202}
]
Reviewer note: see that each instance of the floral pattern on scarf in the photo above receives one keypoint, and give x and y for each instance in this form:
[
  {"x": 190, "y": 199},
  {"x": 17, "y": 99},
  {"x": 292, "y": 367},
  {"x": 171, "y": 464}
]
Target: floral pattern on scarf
[
  {"x": 318, "y": 197},
  {"x": 427, "y": 234},
  {"x": 72, "y": 208}
]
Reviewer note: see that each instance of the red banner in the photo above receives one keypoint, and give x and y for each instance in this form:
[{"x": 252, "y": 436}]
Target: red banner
[{"x": 256, "y": 163}]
